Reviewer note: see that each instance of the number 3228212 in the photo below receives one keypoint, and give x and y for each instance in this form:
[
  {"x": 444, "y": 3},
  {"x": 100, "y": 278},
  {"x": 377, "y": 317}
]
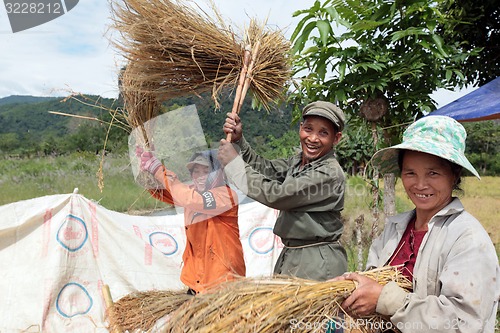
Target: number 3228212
[{"x": 33, "y": 8}]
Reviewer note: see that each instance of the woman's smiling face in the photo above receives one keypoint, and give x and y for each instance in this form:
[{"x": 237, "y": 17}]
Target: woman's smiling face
[
  {"x": 317, "y": 138},
  {"x": 428, "y": 180},
  {"x": 199, "y": 174}
]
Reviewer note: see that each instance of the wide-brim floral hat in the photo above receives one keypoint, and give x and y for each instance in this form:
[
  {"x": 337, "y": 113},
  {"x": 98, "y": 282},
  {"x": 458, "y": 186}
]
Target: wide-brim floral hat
[{"x": 441, "y": 136}]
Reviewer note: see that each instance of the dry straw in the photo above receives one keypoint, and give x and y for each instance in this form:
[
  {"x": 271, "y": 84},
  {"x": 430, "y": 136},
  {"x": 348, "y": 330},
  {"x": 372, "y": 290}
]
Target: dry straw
[
  {"x": 173, "y": 49},
  {"x": 140, "y": 104},
  {"x": 272, "y": 305},
  {"x": 261, "y": 305}
]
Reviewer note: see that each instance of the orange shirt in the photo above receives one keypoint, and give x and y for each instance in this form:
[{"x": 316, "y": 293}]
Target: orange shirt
[{"x": 213, "y": 252}]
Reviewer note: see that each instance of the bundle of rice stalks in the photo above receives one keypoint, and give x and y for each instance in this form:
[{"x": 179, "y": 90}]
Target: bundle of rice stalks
[
  {"x": 276, "y": 305},
  {"x": 140, "y": 103},
  {"x": 176, "y": 50},
  {"x": 139, "y": 311}
]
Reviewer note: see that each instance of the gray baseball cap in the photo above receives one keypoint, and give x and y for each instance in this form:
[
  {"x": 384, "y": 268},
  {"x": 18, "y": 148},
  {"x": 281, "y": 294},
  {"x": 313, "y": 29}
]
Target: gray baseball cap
[
  {"x": 197, "y": 159},
  {"x": 326, "y": 110}
]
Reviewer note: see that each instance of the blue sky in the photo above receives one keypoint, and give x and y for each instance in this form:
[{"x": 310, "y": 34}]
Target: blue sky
[
  {"x": 73, "y": 52},
  {"x": 68, "y": 53}
]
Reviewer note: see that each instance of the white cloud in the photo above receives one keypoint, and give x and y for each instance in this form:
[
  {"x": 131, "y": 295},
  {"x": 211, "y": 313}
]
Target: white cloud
[{"x": 66, "y": 53}]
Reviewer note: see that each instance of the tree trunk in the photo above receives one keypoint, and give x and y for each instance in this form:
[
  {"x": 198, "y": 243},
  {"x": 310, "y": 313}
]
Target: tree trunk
[
  {"x": 389, "y": 194},
  {"x": 359, "y": 240}
]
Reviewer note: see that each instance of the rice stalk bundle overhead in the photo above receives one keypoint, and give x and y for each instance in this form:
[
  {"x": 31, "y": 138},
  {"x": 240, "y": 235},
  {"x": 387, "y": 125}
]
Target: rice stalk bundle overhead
[
  {"x": 140, "y": 100},
  {"x": 275, "y": 305},
  {"x": 175, "y": 50},
  {"x": 141, "y": 310}
]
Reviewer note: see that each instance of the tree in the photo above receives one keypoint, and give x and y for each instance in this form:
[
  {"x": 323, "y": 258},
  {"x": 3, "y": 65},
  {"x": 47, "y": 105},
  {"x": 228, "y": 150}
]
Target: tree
[
  {"x": 9, "y": 142},
  {"x": 285, "y": 145},
  {"x": 384, "y": 58},
  {"x": 483, "y": 146},
  {"x": 356, "y": 146}
]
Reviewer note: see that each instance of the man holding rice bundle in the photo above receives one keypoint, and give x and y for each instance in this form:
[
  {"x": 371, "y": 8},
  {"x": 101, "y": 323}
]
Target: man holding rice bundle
[
  {"x": 213, "y": 252},
  {"x": 307, "y": 188},
  {"x": 443, "y": 249}
]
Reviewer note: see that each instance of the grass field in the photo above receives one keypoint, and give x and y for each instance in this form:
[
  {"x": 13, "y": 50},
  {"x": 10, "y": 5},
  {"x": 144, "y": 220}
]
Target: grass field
[{"x": 26, "y": 179}]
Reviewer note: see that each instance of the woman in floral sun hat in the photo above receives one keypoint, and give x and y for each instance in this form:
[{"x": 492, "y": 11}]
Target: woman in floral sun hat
[{"x": 443, "y": 249}]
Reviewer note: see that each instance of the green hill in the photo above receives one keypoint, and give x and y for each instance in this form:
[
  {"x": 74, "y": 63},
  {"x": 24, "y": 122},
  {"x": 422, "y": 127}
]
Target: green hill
[{"x": 27, "y": 127}]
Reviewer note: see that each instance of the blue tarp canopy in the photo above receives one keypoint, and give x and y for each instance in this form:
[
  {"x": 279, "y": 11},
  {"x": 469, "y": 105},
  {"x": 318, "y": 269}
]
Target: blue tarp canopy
[{"x": 480, "y": 104}]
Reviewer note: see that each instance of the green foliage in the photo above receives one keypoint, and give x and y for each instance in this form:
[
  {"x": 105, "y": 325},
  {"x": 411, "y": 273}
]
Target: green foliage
[
  {"x": 285, "y": 146},
  {"x": 358, "y": 236},
  {"x": 22, "y": 179},
  {"x": 357, "y": 196},
  {"x": 273, "y": 134},
  {"x": 14, "y": 99},
  {"x": 356, "y": 146},
  {"x": 8, "y": 141},
  {"x": 258, "y": 124},
  {"x": 28, "y": 129},
  {"x": 474, "y": 25}
]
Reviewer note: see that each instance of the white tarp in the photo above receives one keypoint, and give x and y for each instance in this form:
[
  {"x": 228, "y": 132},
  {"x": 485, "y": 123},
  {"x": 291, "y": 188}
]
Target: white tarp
[{"x": 56, "y": 253}]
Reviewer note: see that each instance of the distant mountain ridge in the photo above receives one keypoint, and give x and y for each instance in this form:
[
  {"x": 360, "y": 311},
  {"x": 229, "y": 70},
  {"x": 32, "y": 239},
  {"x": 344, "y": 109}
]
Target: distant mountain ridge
[
  {"x": 27, "y": 128},
  {"x": 21, "y": 114},
  {"x": 27, "y": 125}
]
